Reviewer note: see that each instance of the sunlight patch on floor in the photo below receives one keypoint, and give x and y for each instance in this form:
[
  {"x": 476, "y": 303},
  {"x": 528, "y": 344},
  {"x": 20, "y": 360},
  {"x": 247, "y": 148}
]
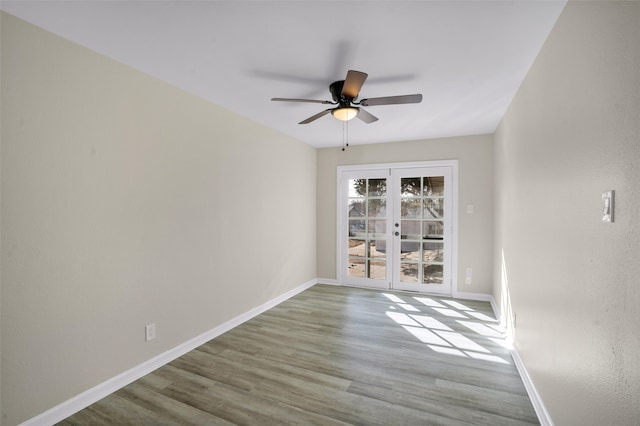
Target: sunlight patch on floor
[
  {"x": 430, "y": 322},
  {"x": 442, "y": 338},
  {"x": 427, "y": 301},
  {"x": 450, "y": 312}
]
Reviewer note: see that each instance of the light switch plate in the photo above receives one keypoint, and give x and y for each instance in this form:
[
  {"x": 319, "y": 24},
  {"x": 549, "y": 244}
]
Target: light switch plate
[{"x": 607, "y": 206}]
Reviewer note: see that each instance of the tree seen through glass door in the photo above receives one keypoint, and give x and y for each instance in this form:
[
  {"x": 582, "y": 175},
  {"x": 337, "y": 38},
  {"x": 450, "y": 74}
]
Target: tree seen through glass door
[
  {"x": 421, "y": 225},
  {"x": 367, "y": 228}
]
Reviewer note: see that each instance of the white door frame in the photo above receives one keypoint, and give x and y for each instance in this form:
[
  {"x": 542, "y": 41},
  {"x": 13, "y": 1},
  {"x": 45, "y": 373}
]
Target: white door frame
[
  {"x": 343, "y": 227},
  {"x": 453, "y": 164}
]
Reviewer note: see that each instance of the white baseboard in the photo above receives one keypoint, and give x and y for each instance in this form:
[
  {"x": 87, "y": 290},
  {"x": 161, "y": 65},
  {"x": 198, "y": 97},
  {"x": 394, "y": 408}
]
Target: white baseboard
[
  {"x": 534, "y": 396},
  {"x": 329, "y": 281},
  {"x": 495, "y": 309},
  {"x": 498, "y": 314},
  {"x": 83, "y": 400},
  {"x": 471, "y": 296}
]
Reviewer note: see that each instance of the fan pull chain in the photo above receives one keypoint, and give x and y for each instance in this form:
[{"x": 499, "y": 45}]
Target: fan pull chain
[
  {"x": 345, "y": 134},
  {"x": 344, "y": 125}
]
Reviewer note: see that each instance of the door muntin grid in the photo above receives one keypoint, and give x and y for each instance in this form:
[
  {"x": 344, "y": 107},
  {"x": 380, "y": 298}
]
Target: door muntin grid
[
  {"x": 396, "y": 226},
  {"x": 367, "y": 227},
  {"x": 422, "y": 208}
]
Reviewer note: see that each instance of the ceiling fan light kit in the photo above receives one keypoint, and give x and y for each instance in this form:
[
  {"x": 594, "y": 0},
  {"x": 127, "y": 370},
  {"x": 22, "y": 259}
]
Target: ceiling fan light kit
[
  {"x": 344, "y": 94},
  {"x": 345, "y": 114}
]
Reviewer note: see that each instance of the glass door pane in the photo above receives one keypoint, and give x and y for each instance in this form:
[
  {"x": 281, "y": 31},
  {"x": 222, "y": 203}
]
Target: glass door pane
[
  {"x": 422, "y": 216},
  {"x": 365, "y": 213},
  {"x": 395, "y": 227}
]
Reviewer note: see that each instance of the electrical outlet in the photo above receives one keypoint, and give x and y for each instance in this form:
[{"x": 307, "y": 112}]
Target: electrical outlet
[
  {"x": 514, "y": 320},
  {"x": 467, "y": 279},
  {"x": 150, "y": 332}
]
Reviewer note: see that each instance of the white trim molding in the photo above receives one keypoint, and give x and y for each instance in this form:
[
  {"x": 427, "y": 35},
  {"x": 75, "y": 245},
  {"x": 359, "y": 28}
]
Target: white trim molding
[
  {"x": 329, "y": 281},
  {"x": 96, "y": 393},
  {"x": 534, "y": 396},
  {"x": 474, "y": 296}
]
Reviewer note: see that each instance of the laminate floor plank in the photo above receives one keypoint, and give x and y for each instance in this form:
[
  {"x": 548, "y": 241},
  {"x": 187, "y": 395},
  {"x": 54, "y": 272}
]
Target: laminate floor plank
[
  {"x": 345, "y": 406},
  {"x": 336, "y": 356},
  {"x": 168, "y": 408},
  {"x": 234, "y": 404},
  {"x": 266, "y": 367},
  {"x": 448, "y": 409},
  {"x": 117, "y": 409}
]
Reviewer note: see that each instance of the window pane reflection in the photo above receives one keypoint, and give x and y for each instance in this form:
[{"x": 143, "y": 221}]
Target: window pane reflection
[
  {"x": 377, "y": 187},
  {"x": 356, "y": 208},
  {"x": 367, "y": 228},
  {"x": 356, "y": 267},
  {"x": 357, "y": 248},
  {"x": 377, "y": 229},
  {"x": 410, "y": 229},
  {"x": 409, "y": 272},
  {"x": 433, "y": 208},
  {"x": 377, "y": 269},
  {"x": 357, "y": 187},
  {"x": 422, "y": 229},
  {"x": 409, "y": 250},
  {"x": 432, "y": 229},
  {"x": 432, "y": 252},
  {"x": 410, "y": 186},
  {"x": 410, "y": 208},
  {"x": 433, "y": 186},
  {"x": 432, "y": 274},
  {"x": 357, "y": 228},
  {"x": 377, "y": 207},
  {"x": 377, "y": 249}
]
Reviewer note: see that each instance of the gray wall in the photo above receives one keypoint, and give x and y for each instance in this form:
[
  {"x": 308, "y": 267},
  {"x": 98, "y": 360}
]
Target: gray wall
[
  {"x": 475, "y": 170},
  {"x": 573, "y": 131},
  {"x": 126, "y": 202}
]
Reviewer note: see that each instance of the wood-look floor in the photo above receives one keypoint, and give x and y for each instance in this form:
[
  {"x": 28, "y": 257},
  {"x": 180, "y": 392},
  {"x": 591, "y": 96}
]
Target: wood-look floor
[{"x": 334, "y": 356}]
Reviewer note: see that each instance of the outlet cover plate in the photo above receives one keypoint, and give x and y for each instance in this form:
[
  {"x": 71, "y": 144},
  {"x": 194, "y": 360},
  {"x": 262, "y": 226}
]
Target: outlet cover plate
[{"x": 150, "y": 332}]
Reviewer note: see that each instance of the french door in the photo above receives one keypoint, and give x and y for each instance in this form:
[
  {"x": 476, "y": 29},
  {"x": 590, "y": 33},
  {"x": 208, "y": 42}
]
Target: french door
[{"x": 396, "y": 226}]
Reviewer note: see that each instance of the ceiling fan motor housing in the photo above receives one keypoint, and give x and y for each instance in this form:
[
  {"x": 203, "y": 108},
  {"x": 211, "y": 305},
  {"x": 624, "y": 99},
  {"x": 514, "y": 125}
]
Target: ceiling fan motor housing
[{"x": 336, "y": 93}]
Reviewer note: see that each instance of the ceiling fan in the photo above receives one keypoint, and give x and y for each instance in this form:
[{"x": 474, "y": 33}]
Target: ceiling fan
[{"x": 344, "y": 94}]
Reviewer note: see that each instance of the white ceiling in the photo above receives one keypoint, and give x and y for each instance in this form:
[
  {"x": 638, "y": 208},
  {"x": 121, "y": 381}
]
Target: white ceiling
[{"x": 467, "y": 58}]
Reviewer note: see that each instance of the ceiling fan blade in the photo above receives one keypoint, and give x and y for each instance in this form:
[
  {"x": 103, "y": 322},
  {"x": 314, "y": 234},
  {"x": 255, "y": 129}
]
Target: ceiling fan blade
[
  {"x": 393, "y": 100},
  {"x": 366, "y": 116},
  {"x": 353, "y": 83},
  {"x": 311, "y": 101},
  {"x": 315, "y": 117}
]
